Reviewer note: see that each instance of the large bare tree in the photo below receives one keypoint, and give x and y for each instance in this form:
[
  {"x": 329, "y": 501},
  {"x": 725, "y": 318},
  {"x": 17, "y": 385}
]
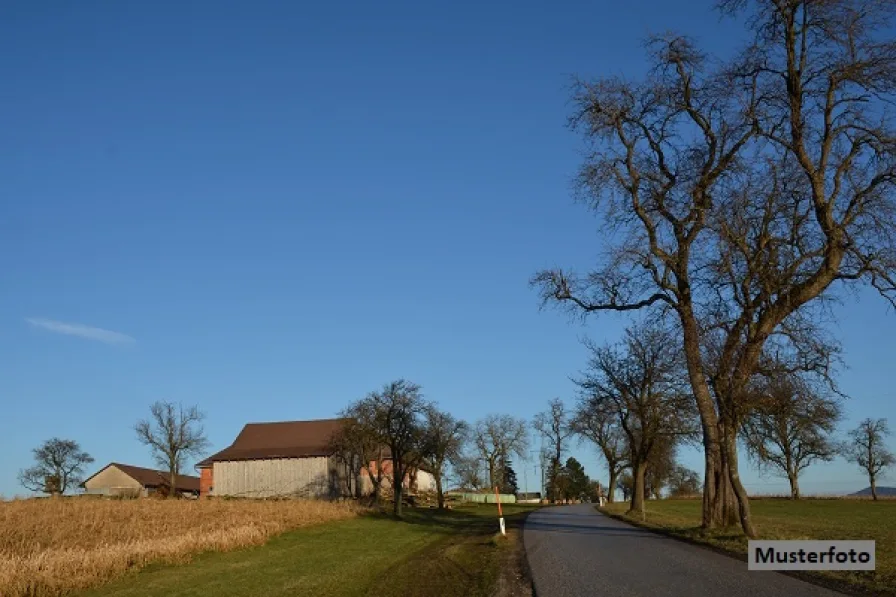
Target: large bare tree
[
  {"x": 397, "y": 414},
  {"x": 641, "y": 383},
  {"x": 466, "y": 471},
  {"x": 738, "y": 196},
  {"x": 444, "y": 437},
  {"x": 601, "y": 427},
  {"x": 59, "y": 466},
  {"x": 497, "y": 436},
  {"x": 174, "y": 434},
  {"x": 866, "y": 448},
  {"x": 555, "y": 427},
  {"x": 790, "y": 426}
]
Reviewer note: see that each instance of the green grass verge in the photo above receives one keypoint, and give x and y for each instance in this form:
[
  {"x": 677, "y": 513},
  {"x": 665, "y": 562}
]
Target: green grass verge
[
  {"x": 786, "y": 519},
  {"x": 426, "y": 553}
]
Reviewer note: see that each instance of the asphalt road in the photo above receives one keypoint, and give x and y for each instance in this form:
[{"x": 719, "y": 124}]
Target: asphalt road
[{"x": 576, "y": 551}]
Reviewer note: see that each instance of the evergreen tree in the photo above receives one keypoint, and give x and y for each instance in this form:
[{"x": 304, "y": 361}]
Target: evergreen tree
[
  {"x": 508, "y": 483},
  {"x": 576, "y": 483}
]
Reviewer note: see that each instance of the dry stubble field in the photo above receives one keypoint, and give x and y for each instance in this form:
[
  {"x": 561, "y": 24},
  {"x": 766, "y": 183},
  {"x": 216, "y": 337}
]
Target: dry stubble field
[{"x": 51, "y": 547}]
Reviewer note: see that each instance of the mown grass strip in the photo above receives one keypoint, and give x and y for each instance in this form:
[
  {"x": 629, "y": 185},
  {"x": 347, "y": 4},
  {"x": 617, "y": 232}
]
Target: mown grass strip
[
  {"x": 787, "y": 519},
  {"x": 426, "y": 553}
]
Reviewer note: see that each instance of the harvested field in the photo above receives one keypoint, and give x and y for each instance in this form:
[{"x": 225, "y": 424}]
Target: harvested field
[{"x": 51, "y": 547}]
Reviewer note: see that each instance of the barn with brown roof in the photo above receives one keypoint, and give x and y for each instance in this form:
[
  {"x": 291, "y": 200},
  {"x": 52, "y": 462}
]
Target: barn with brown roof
[
  {"x": 287, "y": 458},
  {"x": 275, "y": 459},
  {"x": 117, "y": 479}
]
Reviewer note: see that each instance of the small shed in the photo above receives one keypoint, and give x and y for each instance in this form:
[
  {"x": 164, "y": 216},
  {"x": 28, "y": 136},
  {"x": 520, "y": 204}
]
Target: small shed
[{"x": 116, "y": 479}]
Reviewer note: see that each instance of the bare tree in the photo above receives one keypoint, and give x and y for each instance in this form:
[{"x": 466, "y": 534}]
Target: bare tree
[
  {"x": 640, "y": 382},
  {"x": 467, "y": 472},
  {"x": 684, "y": 482},
  {"x": 444, "y": 437},
  {"x": 397, "y": 413},
  {"x": 866, "y": 448},
  {"x": 59, "y": 466},
  {"x": 625, "y": 484},
  {"x": 789, "y": 428},
  {"x": 660, "y": 467},
  {"x": 601, "y": 426},
  {"x": 740, "y": 195},
  {"x": 174, "y": 435},
  {"x": 359, "y": 446},
  {"x": 554, "y": 425},
  {"x": 496, "y": 436}
]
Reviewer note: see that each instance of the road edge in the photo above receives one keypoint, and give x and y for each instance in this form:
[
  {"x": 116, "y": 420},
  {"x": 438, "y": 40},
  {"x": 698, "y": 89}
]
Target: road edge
[
  {"x": 844, "y": 587},
  {"x": 515, "y": 579}
]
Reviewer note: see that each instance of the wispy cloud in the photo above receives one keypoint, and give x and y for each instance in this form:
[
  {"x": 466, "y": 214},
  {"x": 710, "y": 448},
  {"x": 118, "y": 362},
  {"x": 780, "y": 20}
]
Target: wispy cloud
[{"x": 81, "y": 330}]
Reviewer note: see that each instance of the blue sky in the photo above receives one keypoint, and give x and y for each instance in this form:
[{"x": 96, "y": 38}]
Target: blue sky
[{"x": 281, "y": 206}]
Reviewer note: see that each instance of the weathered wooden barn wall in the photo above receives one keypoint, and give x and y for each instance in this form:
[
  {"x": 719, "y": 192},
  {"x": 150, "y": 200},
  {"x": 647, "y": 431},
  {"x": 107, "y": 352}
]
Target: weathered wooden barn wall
[{"x": 296, "y": 477}]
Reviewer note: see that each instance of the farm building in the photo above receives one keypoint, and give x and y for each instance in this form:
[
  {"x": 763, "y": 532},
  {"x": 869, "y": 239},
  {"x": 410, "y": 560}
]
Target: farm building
[
  {"x": 289, "y": 458},
  {"x": 124, "y": 479}
]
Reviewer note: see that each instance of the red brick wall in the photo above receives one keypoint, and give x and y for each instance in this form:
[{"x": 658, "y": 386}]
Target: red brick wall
[
  {"x": 387, "y": 470},
  {"x": 206, "y": 481}
]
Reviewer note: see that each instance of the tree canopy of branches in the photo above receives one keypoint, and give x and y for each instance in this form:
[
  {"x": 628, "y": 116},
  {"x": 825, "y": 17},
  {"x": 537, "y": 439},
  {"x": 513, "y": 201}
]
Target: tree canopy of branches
[
  {"x": 174, "y": 434},
  {"x": 397, "y": 416},
  {"x": 640, "y": 382},
  {"x": 59, "y": 466},
  {"x": 660, "y": 467},
  {"x": 443, "y": 439},
  {"x": 684, "y": 482},
  {"x": 555, "y": 427},
  {"x": 625, "y": 484},
  {"x": 601, "y": 426},
  {"x": 467, "y": 472},
  {"x": 866, "y": 448},
  {"x": 359, "y": 445},
  {"x": 737, "y": 196},
  {"x": 498, "y": 436},
  {"x": 789, "y": 427}
]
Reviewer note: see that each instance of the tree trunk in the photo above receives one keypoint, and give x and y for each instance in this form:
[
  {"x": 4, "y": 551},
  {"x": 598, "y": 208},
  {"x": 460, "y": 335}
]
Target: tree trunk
[
  {"x": 491, "y": 472},
  {"x": 873, "y": 480},
  {"x": 172, "y": 480},
  {"x": 611, "y": 489},
  {"x": 377, "y": 484},
  {"x": 717, "y": 501},
  {"x": 719, "y": 504},
  {"x": 794, "y": 485},
  {"x": 397, "y": 493},
  {"x": 440, "y": 497},
  {"x": 743, "y": 501},
  {"x": 639, "y": 472}
]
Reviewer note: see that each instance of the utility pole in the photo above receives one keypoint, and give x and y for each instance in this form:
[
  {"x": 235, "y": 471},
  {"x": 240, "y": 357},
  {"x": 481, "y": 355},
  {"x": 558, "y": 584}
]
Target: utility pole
[
  {"x": 525, "y": 478},
  {"x": 535, "y": 469}
]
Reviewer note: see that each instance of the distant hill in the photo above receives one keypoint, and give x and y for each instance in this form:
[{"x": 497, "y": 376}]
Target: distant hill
[{"x": 881, "y": 491}]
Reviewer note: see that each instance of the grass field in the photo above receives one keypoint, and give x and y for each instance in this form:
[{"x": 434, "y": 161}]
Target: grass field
[
  {"x": 454, "y": 553},
  {"x": 786, "y": 519},
  {"x": 51, "y": 547}
]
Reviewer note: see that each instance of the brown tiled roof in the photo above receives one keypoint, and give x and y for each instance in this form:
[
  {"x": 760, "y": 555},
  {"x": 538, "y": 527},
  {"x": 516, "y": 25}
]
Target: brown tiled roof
[
  {"x": 151, "y": 477},
  {"x": 287, "y": 439}
]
